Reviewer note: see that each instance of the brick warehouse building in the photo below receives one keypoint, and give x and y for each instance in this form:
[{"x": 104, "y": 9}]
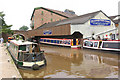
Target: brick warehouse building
[
  {"x": 77, "y": 27},
  {"x": 43, "y": 15},
  {"x": 68, "y": 26},
  {"x": 79, "y": 24}
]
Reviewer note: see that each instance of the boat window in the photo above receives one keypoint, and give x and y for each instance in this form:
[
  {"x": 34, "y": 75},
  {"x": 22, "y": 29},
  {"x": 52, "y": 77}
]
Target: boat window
[
  {"x": 111, "y": 45},
  {"x": 95, "y": 44},
  {"x": 91, "y": 44},
  {"x": 26, "y": 57},
  {"x": 44, "y": 40},
  {"x": 41, "y": 39},
  {"x": 57, "y": 41},
  {"x": 86, "y": 43},
  {"x": 54, "y": 41},
  {"x": 68, "y": 42},
  {"x": 20, "y": 56},
  {"x": 22, "y": 47},
  {"x": 27, "y": 47},
  {"x": 51, "y": 41},
  {"x": 65, "y": 42},
  {"x": 48, "y": 40}
]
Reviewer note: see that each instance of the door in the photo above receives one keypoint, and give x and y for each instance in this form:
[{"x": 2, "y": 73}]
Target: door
[{"x": 74, "y": 41}]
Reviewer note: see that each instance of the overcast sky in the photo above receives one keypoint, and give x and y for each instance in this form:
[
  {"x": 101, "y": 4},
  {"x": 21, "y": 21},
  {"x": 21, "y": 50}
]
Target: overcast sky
[{"x": 18, "y": 12}]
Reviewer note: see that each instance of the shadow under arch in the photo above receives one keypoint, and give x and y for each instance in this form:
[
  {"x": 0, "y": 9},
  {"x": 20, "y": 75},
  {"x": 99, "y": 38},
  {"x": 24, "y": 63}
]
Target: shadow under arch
[{"x": 77, "y": 34}]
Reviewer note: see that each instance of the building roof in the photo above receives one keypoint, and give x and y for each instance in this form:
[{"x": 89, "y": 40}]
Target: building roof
[
  {"x": 116, "y": 18},
  {"x": 64, "y": 14},
  {"x": 74, "y": 20}
]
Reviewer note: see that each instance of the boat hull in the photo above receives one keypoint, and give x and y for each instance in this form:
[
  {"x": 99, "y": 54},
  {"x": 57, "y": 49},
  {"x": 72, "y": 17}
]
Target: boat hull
[
  {"x": 110, "y": 45},
  {"x": 72, "y": 43},
  {"x": 27, "y": 65}
]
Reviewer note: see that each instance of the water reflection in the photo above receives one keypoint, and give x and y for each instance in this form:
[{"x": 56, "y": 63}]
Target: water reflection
[{"x": 70, "y": 63}]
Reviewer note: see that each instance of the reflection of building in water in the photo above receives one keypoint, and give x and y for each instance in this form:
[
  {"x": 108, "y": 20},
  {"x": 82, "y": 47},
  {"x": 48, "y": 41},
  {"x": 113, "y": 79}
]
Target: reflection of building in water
[
  {"x": 92, "y": 57},
  {"x": 66, "y": 62},
  {"x": 101, "y": 59},
  {"x": 54, "y": 64},
  {"x": 95, "y": 66},
  {"x": 61, "y": 51}
]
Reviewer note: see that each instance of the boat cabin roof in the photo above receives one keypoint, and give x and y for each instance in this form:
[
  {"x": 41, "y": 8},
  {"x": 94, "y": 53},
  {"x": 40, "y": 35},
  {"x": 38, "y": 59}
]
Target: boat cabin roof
[{"x": 21, "y": 42}]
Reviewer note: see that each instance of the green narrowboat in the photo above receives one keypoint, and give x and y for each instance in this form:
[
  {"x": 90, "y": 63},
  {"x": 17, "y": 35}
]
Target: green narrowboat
[{"x": 26, "y": 54}]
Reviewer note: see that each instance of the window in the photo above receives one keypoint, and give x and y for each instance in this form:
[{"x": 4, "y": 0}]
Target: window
[
  {"x": 54, "y": 41},
  {"x": 51, "y": 41},
  {"x": 44, "y": 40},
  {"x": 58, "y": 41},
  {"x": 41, "y": 39},
  {"x": 22, "y": 47},
  {"x": 51, "y": 19},
  {"x": 111, "y": 45},
  {"x": 91, "y": 44},
  {"x": 42, "y": 13},
  {"x": 48, "y": 40},
  {"x": 51, "y": 13},
  {"x": 95, "y": 44},
  {"x": 42, "y": 19}
]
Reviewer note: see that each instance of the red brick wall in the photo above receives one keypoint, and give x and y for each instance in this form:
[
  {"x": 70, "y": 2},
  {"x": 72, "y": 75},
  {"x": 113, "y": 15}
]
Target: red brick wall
[
  {"x": 25, "y": 33},
  {"x": 46, "y": 17},
  {"x": 56, "y": 31}
]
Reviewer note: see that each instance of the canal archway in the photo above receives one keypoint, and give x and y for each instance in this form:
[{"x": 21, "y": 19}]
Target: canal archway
[{"x": 20, "y": 36}]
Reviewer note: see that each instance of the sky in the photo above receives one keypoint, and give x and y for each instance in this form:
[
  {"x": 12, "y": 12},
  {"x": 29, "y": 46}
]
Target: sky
[{"x": 18, "y": 12}]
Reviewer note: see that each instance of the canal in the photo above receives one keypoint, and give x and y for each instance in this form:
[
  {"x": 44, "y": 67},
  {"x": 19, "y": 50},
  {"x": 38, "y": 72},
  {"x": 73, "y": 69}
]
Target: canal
[{"x": 65, "y": 62}]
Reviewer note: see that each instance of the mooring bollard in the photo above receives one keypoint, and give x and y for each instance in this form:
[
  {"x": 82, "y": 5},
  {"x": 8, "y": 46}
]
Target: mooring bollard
[
  {"x": 8, "y": 60},
  {"x": 14, "y": 77}
]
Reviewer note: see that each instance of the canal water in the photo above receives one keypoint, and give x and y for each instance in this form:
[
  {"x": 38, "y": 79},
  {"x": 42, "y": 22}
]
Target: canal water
[{"x": 65, "y": 62}]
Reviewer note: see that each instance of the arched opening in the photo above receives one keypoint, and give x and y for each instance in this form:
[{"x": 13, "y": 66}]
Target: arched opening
[
  {"x": 20, "y": 36},
  {"x": 77, "y": 38},
  {"x": 77, "y": 35}
]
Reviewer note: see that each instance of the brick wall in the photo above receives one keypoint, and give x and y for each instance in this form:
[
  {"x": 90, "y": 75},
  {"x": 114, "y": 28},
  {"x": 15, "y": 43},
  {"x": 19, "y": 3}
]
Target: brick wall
[
  {"x": 56, "y": 31},
  {"x": 42, "y": 16}
]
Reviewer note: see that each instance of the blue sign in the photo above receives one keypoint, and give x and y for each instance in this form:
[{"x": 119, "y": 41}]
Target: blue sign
[
  {"x": 103, "y": 22},
  {"x": 47, "y": 32}
]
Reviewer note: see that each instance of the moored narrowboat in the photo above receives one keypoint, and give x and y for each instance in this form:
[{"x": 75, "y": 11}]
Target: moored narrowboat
[
  {"x": 110, "y": 45},
  {"x": 73, "y": 43},
  {"x": 26, "y": 54}
]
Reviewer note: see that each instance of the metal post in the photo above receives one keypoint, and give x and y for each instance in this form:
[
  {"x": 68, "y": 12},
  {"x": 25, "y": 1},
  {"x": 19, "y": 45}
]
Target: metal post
[
  {"x": 38, "y": 41},
  {"x": 119, "y": 31}
]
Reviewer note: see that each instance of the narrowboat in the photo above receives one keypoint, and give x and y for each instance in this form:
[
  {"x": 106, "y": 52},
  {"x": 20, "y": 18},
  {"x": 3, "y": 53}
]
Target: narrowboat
[
  {"x": 73, "y": 43},
  {"x": 26, "y": 54},
  {"x": 10, "y": 38},
  {"x": 110, "y": 45}
]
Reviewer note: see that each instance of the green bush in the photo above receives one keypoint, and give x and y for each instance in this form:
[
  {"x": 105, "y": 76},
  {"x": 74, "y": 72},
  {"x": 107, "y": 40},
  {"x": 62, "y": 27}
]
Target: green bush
[{"x": 5, "y": 41}]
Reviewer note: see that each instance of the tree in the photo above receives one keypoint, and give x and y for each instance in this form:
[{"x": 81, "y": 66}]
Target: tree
[
  {"x": 3, "y": 26},
  {"x": 23, "y": 28}
]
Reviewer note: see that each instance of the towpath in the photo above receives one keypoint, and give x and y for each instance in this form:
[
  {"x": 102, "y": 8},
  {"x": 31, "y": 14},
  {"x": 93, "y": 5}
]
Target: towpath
[{"x": 7, "y": 66}]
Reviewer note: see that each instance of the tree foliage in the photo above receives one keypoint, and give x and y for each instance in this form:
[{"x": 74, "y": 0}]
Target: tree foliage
[
  {"x": 3, "y": 26},
  {"x": 23, "y": 28}
]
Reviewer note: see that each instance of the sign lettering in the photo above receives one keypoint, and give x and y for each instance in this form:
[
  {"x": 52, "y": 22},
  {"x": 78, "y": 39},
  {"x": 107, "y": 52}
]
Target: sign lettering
[
  {"x": 103, "y": 22},
  {"x": 47, "y": 32}
]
